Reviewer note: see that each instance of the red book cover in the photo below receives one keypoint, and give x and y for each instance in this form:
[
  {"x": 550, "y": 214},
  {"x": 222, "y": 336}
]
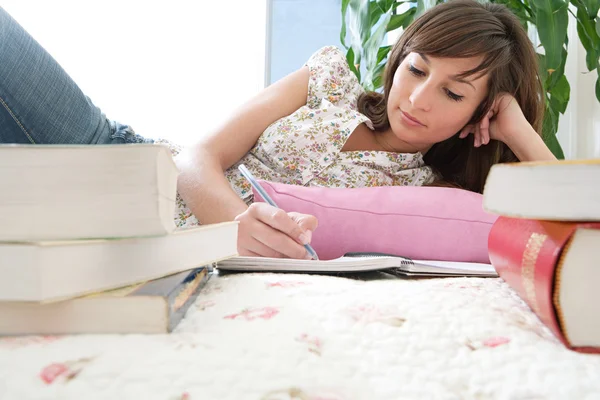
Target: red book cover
[{"x": 526, "y": 254}]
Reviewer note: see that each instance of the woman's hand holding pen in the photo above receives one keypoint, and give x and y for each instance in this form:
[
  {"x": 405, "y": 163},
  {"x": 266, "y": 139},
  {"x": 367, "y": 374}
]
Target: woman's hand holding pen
[{"x": 269, "y": 231}]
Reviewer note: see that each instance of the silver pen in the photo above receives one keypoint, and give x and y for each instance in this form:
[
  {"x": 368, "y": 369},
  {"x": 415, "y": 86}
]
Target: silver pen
[{"x": 248, "y": 175}]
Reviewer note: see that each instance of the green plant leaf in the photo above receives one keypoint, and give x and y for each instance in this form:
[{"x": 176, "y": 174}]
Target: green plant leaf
[
  {"x": 550, "y": 127},
  {"x": 552, "y": 20},
  {"x": 424, "y": 5},
  {"x": 379, "y": 4},
  {"x": 363, "y": 13},
  {"x": 420, "y": 7},
  {"x": 378, "y": 76},
  {"x": 401, "y": 20},
  {"x": 598, "y": 26},
  {"x": 519, "y": 9},
  {"x": 555, "y": 76},
  {"x": 598, "y": 85},
  {"x": 591, "y": 59},
  {"x": 555, "y": 105},
  {"x": 592, "y": 6},
  {"x": 560, "y": 94},
  {"x": 554, "y": 146},
  {"x": 371, "y": 50},
  {"x": 412, "y": 11},
  {"x": 382, "y": 53},
  {"x": 386, "y": 5},
  {"x": 530, "y": 9},
  {"x": 379, "y": 70},
  {"x": 583, "y": 36},
  {"x": 543, "y": 69},
  {"x": 358, "y": 26},
  {"x": 517, "y": 4},
  {"x": 350, "y": 59},
  {"x": 586, "y": 29},
  {"x": 343, "y": 31},
  {"x": 556, "y": 84},
  {"x": 376, "y": 13},
  {"x": 377, "y": 82}
]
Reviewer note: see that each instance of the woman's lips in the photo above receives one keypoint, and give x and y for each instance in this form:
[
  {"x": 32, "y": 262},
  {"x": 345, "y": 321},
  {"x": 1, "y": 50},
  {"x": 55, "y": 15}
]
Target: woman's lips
[{"x": 410, "y": 120}]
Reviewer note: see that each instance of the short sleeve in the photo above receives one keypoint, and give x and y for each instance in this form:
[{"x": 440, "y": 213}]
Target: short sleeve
[{"x": 331, "y": 79}]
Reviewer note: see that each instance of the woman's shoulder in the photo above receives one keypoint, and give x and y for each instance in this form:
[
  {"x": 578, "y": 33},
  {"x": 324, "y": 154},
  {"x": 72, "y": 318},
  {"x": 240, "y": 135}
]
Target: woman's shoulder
[
  {"x": 328, "y": 61},
  {"x": 326, "y": 55},
  {"x": 331, "y": 78}
]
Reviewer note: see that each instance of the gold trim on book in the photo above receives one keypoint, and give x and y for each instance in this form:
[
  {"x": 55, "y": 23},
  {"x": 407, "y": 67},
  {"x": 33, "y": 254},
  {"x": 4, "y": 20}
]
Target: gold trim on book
[
  {"x": 555, "y": 292},
  {"x": 530, "y": 256},
  {"x": 189, "y": 289}
]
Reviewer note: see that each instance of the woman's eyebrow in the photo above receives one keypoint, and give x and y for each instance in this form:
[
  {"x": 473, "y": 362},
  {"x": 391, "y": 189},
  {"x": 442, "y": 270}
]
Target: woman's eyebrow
[
  {"x": 424, "y": 57},
  {"x": 455, "y": 78},
  {"x": 461, "y": 80}
]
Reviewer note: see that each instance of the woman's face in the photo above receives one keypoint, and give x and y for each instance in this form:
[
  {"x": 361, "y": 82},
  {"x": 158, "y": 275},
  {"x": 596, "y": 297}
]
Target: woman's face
[{"x": 428, "y": 103}]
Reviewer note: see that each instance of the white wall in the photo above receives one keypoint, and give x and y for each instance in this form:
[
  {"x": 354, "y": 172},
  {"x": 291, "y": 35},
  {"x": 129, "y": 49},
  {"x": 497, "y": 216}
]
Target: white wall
[{"x": 172, "y": 69}]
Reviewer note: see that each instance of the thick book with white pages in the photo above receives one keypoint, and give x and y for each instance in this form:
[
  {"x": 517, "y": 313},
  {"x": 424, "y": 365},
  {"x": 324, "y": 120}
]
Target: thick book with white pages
[
  {"x": 360, "y": 262},
  {"x": 156, "y": 306},
  {"x": 65, "y": 192},
  {"x": 50, "y": 271},
  {"x": 560, "y": 190}
]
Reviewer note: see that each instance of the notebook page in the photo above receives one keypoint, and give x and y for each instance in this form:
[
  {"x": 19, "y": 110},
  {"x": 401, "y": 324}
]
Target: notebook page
[
  {"x": 341, "y": 264},
  {"x": 357, "y": 263},
  {"x": 436, "y": 266}
]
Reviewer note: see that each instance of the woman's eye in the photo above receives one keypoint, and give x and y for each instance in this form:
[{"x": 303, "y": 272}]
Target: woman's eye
[
  {"x": 419, "y": 73},
  {"x": 415, "y": 72},
  {"x": 454, "y": 96}
]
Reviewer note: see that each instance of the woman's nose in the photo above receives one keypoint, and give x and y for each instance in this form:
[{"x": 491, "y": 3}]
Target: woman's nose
[{"x": 420, "y": 97}]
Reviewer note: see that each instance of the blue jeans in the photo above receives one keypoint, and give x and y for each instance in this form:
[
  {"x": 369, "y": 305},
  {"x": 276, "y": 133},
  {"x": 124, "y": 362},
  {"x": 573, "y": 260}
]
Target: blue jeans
[{"x": 40, "y": 103}]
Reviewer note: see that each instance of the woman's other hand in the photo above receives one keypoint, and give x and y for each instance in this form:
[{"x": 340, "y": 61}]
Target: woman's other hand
[
  {"x": 503, "y": 122},
  {"x": 268, "y": 231}
]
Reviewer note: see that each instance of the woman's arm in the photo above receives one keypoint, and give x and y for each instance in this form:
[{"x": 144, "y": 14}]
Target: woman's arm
[
  {"x": 529, "y": 146},
  {"x": 207, "y": 192}
]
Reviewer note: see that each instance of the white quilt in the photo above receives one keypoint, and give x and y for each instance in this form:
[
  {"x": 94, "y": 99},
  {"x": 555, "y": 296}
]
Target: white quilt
[{"x": 309, "y": 337}]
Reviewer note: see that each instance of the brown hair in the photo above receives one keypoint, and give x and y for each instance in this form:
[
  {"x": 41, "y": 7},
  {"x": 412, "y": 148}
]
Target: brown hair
[{"x": 461, "y": 29}]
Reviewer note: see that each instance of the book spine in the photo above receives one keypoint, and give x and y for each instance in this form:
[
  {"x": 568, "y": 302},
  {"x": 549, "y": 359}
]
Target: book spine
[
  {"x": 184, "y": 296},
  {"x": 525, "y": 253}
]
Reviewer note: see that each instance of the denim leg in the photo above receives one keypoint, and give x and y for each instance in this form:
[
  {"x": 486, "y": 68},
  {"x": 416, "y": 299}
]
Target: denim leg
[{"x": 40, "y": 103}]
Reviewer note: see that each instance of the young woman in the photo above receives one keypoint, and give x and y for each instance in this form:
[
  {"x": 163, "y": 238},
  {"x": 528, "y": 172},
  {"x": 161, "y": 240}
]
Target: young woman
[{"x": 461, "y": 93}]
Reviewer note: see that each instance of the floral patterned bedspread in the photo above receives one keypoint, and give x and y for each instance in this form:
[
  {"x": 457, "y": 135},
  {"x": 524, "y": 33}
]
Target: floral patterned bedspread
[{"x": 311, "y": 337}]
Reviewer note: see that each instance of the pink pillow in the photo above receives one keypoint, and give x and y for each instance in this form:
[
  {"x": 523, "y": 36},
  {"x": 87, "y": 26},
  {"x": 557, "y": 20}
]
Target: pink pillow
[{"x": 426, "y": 223}]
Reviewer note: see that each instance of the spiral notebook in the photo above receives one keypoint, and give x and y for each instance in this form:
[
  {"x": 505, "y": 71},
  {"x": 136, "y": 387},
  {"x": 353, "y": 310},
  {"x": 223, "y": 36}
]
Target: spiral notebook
[{"x": 360, "y": 262}]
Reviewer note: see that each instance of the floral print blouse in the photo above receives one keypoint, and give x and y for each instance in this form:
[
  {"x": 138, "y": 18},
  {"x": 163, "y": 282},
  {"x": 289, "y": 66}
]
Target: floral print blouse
[{"x": 304, "y": 148}]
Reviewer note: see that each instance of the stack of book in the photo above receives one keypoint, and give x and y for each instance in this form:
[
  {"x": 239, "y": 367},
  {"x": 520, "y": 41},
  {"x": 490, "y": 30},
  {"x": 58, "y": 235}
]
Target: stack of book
[
  {"x": 88, "y": 243},
  {"x": 546, "y": 242}
]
